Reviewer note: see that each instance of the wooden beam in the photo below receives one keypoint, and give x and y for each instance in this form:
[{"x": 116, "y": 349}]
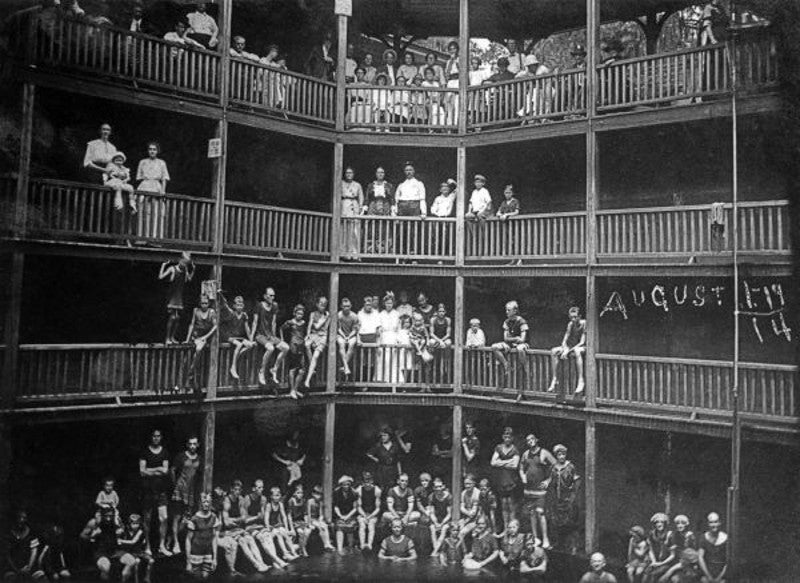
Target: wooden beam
[
  {"x": 24, "y": 165},
  {"x": 458, "y": 460},
  {"x": 327, "y": 469},
  {"x": 225, "y": 18},
  {"x": 333, "y": 304},
  {"x": 463, "y": 64},
  {"x": 459, "y": 332},
  {"x": 592, "y": 49},
  {"x": 336, "y": 201},
  {"x": 209, "y": 438},
  {"x": 461, "y": 197},
  {"x": 341, "y": 58},
  {"x": 590, "y": 487}
]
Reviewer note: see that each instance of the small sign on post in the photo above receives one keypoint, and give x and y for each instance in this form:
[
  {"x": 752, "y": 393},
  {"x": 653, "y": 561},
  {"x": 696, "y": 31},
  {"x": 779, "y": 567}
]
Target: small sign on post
[
  {"x": 343, "y": 8},
  {"x": 214, "y": 148}
]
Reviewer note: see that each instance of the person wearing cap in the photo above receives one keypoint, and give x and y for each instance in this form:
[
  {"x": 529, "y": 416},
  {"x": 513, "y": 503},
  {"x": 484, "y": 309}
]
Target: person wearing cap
[
  {"x": 539, "y": 96},
  {"x": 480, "y": 201},
  {"x": 564, "y": 486},
  {"x": 516, "y": 60},
  {"x": 713, "y": 551},
  {"x": 202, "y": 27},
  {"x": 442, "y": 206},
  {"x": 638, "y": 554},
  {"x": 369, "y": 509},
  {"x": 597, "y": 571},
  {"x": 315, "y": 517},
  {"x": 534, "y": 472},
  {"x": 505, "y": 461},
  {"x": 345, "y": 508},
  {"x": 388, "y": 66},
  {"x": 117, "y": 176},
  {"x": 658, "y": 538}
]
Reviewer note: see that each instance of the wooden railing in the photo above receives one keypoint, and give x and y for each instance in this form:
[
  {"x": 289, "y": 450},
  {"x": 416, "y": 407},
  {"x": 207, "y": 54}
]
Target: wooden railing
[
  {"x": 409, "y": 238},
  {"x": 412, "y": 109},
  {"x": 685, "y": 74},
  {"x": 76, "y": 210},
  {"x": 687, "y": 384},
  {"x": 546, "y": 97},
  {"x": 532, "y": 372},
  {"x": 687, "y": 230},
  {"x": 260, "y": 228},
  {"x": 282, "y": 93},
  {"x": 248, "y": 368},
  {"x": 398, "y": 368},
  {"x": 557, "y": 235},
  {"x": 121, "y": 55},
  {"x": 98, "y": 371}
]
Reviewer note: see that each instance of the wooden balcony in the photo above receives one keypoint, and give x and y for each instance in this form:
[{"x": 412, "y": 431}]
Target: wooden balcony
[
  {"x": 531, "y": 100},
  {"x": 687, "y": 231},
  {"x": 76, "y": 211},
  {"x": 557, "y": 236},
  {"x": 261, "y": 229},
  {"x": 399, "y": 238},
  {"x": 402, "y": 109},
  {"x": 696, "y": 385},
  {"x": 281, "y": 93},
  {"x": 85, "y": 374},
  {"x": 116, "y": 55},
  {"x": 398, "y": 369}
]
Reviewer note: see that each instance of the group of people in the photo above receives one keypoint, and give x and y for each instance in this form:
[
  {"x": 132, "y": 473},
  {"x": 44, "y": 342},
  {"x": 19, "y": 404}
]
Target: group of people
[
  {"x": 382, "y": 198},
  {"x": 136, "y": 214},
  {"x": 677, "y": 555}
]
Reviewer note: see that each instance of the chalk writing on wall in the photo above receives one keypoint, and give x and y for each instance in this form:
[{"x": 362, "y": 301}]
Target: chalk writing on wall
[{"x": 764, "y": 305}]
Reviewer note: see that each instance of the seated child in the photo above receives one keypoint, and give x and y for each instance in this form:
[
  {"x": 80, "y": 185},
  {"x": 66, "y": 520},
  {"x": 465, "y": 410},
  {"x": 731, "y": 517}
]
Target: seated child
[{"x": 118, "y": 177}]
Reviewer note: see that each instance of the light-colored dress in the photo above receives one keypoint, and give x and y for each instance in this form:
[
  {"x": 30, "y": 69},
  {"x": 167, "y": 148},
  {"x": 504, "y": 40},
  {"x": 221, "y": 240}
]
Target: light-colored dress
[
  {"x": 352, "y": 201},
  {"x": 388, "y": 369},
  {"x": 152, "y": 210}
]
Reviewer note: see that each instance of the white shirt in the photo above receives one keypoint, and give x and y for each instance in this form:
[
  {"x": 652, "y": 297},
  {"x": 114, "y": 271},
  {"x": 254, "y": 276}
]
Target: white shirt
[
  {"x": 98, "y": 151},
  {"x": 368, "y": 323},
  {"x": 516, "y": 62},
  {"x": 443, "y": 205},
  {"x": 203, "y": 23},
  {"x": 244, "y": 55},
  {"x": 350, "y": 68},
  {"x": 475, "y": 338},
  {"x": 412, "y": 190},
  {"x": 136, "y": 25},
  {"x": 479, "y": 200}
]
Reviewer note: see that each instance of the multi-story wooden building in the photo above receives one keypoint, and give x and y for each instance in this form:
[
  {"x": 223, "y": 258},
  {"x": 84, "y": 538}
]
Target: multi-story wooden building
[{"x": 651, "y": 200}]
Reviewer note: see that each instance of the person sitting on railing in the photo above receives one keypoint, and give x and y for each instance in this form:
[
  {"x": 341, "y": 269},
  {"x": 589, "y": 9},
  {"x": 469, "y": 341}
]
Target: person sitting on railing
[
  {"x": 475, "y": 336},
  {"x": 99, "y": 152},
  {"x": 202, "y": 27},
  {"x": 117, "y": 176},
  {"x": 293, "y": 333},
  {"x": 316, "y": 337},
  {"x": 265, "y": 325},
  {"x": 236, "y": 329},
  {"x": 573, "y": 344},
  {"x": 153, "y": 176},
  {"x": 515, "y": 339},
  {"x": 347, "y": 334},
  {"x": 441, "y": 329},
  {"x": 238, "y": 50},
  {"x": 72, "y": 9},
  {"x": 368, "y": 63},
  {"x": 480, "y": 201},
  {"x": 177, "y": 274},
  {"x": 442, "y": 206}
]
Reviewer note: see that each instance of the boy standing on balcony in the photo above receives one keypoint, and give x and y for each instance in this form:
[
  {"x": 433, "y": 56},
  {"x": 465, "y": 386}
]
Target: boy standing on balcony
[
  {"x": 480, "y": 202},
  {"x": 573, "y": 344},
  {"x": 177, "y": 274},
  {"x": 515, "y": 339},
  {"x": 347, "y": 334}
]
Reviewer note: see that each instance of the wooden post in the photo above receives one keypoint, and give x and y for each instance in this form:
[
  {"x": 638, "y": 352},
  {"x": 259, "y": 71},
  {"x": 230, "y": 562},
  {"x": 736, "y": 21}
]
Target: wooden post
[
  {"x": 24, "y": 166},
  {"x": 463, "y": 64},
  {"x": 458, "y": 341},
  {"x": 209, "y": 438},
  {"x": 341, "y": 58},
  {"x": 327, "y": 470},
  {"x": 458, "y": 455},
  {"x": 461, "y": 197},
  {"x": 336, "y": 202},
  {"x": 225, "y": 16},
  {"x": 333, "y": 303},
  {"x": 6, "y": 457},
  {"x": 8, "y": 388},
  {"x": 592, "y": 36},
  {"x": 590, "y": 487}
]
